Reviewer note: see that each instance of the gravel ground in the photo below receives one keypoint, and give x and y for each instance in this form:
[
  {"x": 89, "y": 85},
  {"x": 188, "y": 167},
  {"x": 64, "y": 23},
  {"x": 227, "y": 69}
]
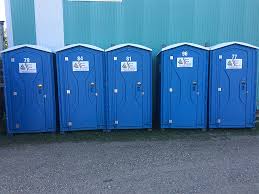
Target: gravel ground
[{"x": 222, "y": 161}]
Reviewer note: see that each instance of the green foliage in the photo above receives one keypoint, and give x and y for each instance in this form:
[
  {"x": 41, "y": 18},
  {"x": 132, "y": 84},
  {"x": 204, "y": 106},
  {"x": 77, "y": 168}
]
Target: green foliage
[{"x": 5, "y": 40}]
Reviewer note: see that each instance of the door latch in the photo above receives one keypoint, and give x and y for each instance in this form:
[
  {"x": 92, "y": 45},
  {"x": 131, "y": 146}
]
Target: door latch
[
  {"x": 40, "y": 86},
  {"x": 194, "y": 85},
  {"x": 243, "y": 83},
  {"x": 92, "y": 85}
]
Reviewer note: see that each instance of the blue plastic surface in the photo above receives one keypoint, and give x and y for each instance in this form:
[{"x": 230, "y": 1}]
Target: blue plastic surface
[
  {"x": 183, "y": 87},
  {"x": 129, "y": 88},
  {"x": 233, "y": 87},
  {"x": 29, "y": 91},
  {"x": 81, "y": 89}
]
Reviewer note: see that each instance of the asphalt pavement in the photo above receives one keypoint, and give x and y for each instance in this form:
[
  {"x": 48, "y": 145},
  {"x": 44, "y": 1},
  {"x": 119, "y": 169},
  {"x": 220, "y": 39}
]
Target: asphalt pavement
[{"x": 171, "y": 161}]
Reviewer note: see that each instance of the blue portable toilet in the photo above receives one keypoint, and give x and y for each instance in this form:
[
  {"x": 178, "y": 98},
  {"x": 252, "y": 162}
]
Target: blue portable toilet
[
  {"x": 232, "y": 97},
  {"x": 80, "y": 69},
  {"x": 29, "y": 89},
  {"x": 129, "y": 87},
  {"x": 183, "y": 86}
]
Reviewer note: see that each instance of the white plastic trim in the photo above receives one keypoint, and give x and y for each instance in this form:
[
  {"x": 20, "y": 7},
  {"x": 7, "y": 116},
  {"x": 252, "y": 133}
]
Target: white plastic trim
[
  {"x": 27, "y": 45},
  {"x": 218, "y": 46},
  {"x": 128, "y": 44},
  {"x": 82, "y": 45},
  {"x": 184, "y": 43}
]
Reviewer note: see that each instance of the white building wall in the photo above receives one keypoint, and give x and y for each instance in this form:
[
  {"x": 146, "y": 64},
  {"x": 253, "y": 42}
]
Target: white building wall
[
  {"x": 9, "y": 26},
  {"x": 49, "y": 23}
]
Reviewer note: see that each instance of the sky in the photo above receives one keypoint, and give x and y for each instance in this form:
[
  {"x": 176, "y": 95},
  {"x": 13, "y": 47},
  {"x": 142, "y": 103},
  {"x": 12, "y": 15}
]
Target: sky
[{"x": 2, "y": 10}]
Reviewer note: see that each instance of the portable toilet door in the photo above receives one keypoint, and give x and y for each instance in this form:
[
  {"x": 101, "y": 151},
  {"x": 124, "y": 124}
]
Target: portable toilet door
[
  {"x": 29, "y": 89},
  {"x": 129, "y": 87},
  {"x": 184, "y": 86},
  {"x": 80, "y": 70},
  {"x": 233, "y": 85}
]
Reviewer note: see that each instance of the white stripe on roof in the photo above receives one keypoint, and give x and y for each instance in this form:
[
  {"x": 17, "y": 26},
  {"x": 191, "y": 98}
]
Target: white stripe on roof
[
  {"x": 128, "y": 44},
  {"x": 185, "y": 43},
  {"x": 28, "y": 46},
  {"x": 218, "y": 46},
  {"x": 82, "y": 45}
]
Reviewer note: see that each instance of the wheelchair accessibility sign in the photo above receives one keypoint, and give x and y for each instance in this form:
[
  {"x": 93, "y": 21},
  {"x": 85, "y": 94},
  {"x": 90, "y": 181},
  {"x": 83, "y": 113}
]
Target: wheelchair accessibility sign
[
  {"x": 129, "y": 66},
  {"x": 184, "y": 62},
  {"x": 80, "y": 65},
  {"x": 234, "y": 63}
]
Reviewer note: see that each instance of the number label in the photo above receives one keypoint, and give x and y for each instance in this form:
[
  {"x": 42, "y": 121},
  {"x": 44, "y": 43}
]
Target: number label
[
  {"x": 27, "y": 60},
  {"x": 128, "y": 59},
  {"x": 80, "y": 58},
  {"x": 234, "y": 56}
]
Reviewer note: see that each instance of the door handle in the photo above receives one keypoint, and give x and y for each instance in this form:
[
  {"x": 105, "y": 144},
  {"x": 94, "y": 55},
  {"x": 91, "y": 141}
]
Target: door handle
[
  {"x": 139, "y": 84},
  {"x": 194, "y": 86},
  {"x": 243, "y": 85},
  {"x": 40, "y": 86},
  {"x": 92, "y": 86}
]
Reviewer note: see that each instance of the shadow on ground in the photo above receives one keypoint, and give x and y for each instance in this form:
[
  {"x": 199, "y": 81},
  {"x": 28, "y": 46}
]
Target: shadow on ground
[{"x": 126, "y": 135}]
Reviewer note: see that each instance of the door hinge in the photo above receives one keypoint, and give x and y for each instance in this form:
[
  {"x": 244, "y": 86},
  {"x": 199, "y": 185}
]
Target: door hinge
[
  {"x": 115, "y": 58},
  {"x": 171, "y": 58},
  {"x": 171, "y": 90},
  {"x": 218, "y": 121},
  {"x": 12, "y": 60},
  {"x": 68, "y": 92},
  {"x": 66, "y": 58},
  {"x": 219, "y": 89},
  {"x": 17, "y": 126},
  {"x": 143, "y": 93},
  {"x": 116, "y": 122},
  {"x": 14, "y": 93},
  {"x": 70, "y": 124},
  {"x": 170, "y": 121},
  {"x": 220, "y": 57},
  {"x": 115, "y": 91}
]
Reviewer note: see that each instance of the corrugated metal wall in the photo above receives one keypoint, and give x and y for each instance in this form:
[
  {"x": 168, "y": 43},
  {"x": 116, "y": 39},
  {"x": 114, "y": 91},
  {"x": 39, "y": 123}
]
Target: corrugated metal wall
[
  {"x": 23, "y": 21},
  {"x": 156, "y": 23}
]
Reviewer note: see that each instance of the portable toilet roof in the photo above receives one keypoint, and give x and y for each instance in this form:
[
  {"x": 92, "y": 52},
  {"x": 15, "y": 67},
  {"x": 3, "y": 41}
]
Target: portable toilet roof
[
  {"x": 82, "y": 45},
  {"x": 27, "y": 46},
  {"x": 184, "y": 44},
  {"x": 218, "y": 46},
  {"x": 128, "y": 44}
]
